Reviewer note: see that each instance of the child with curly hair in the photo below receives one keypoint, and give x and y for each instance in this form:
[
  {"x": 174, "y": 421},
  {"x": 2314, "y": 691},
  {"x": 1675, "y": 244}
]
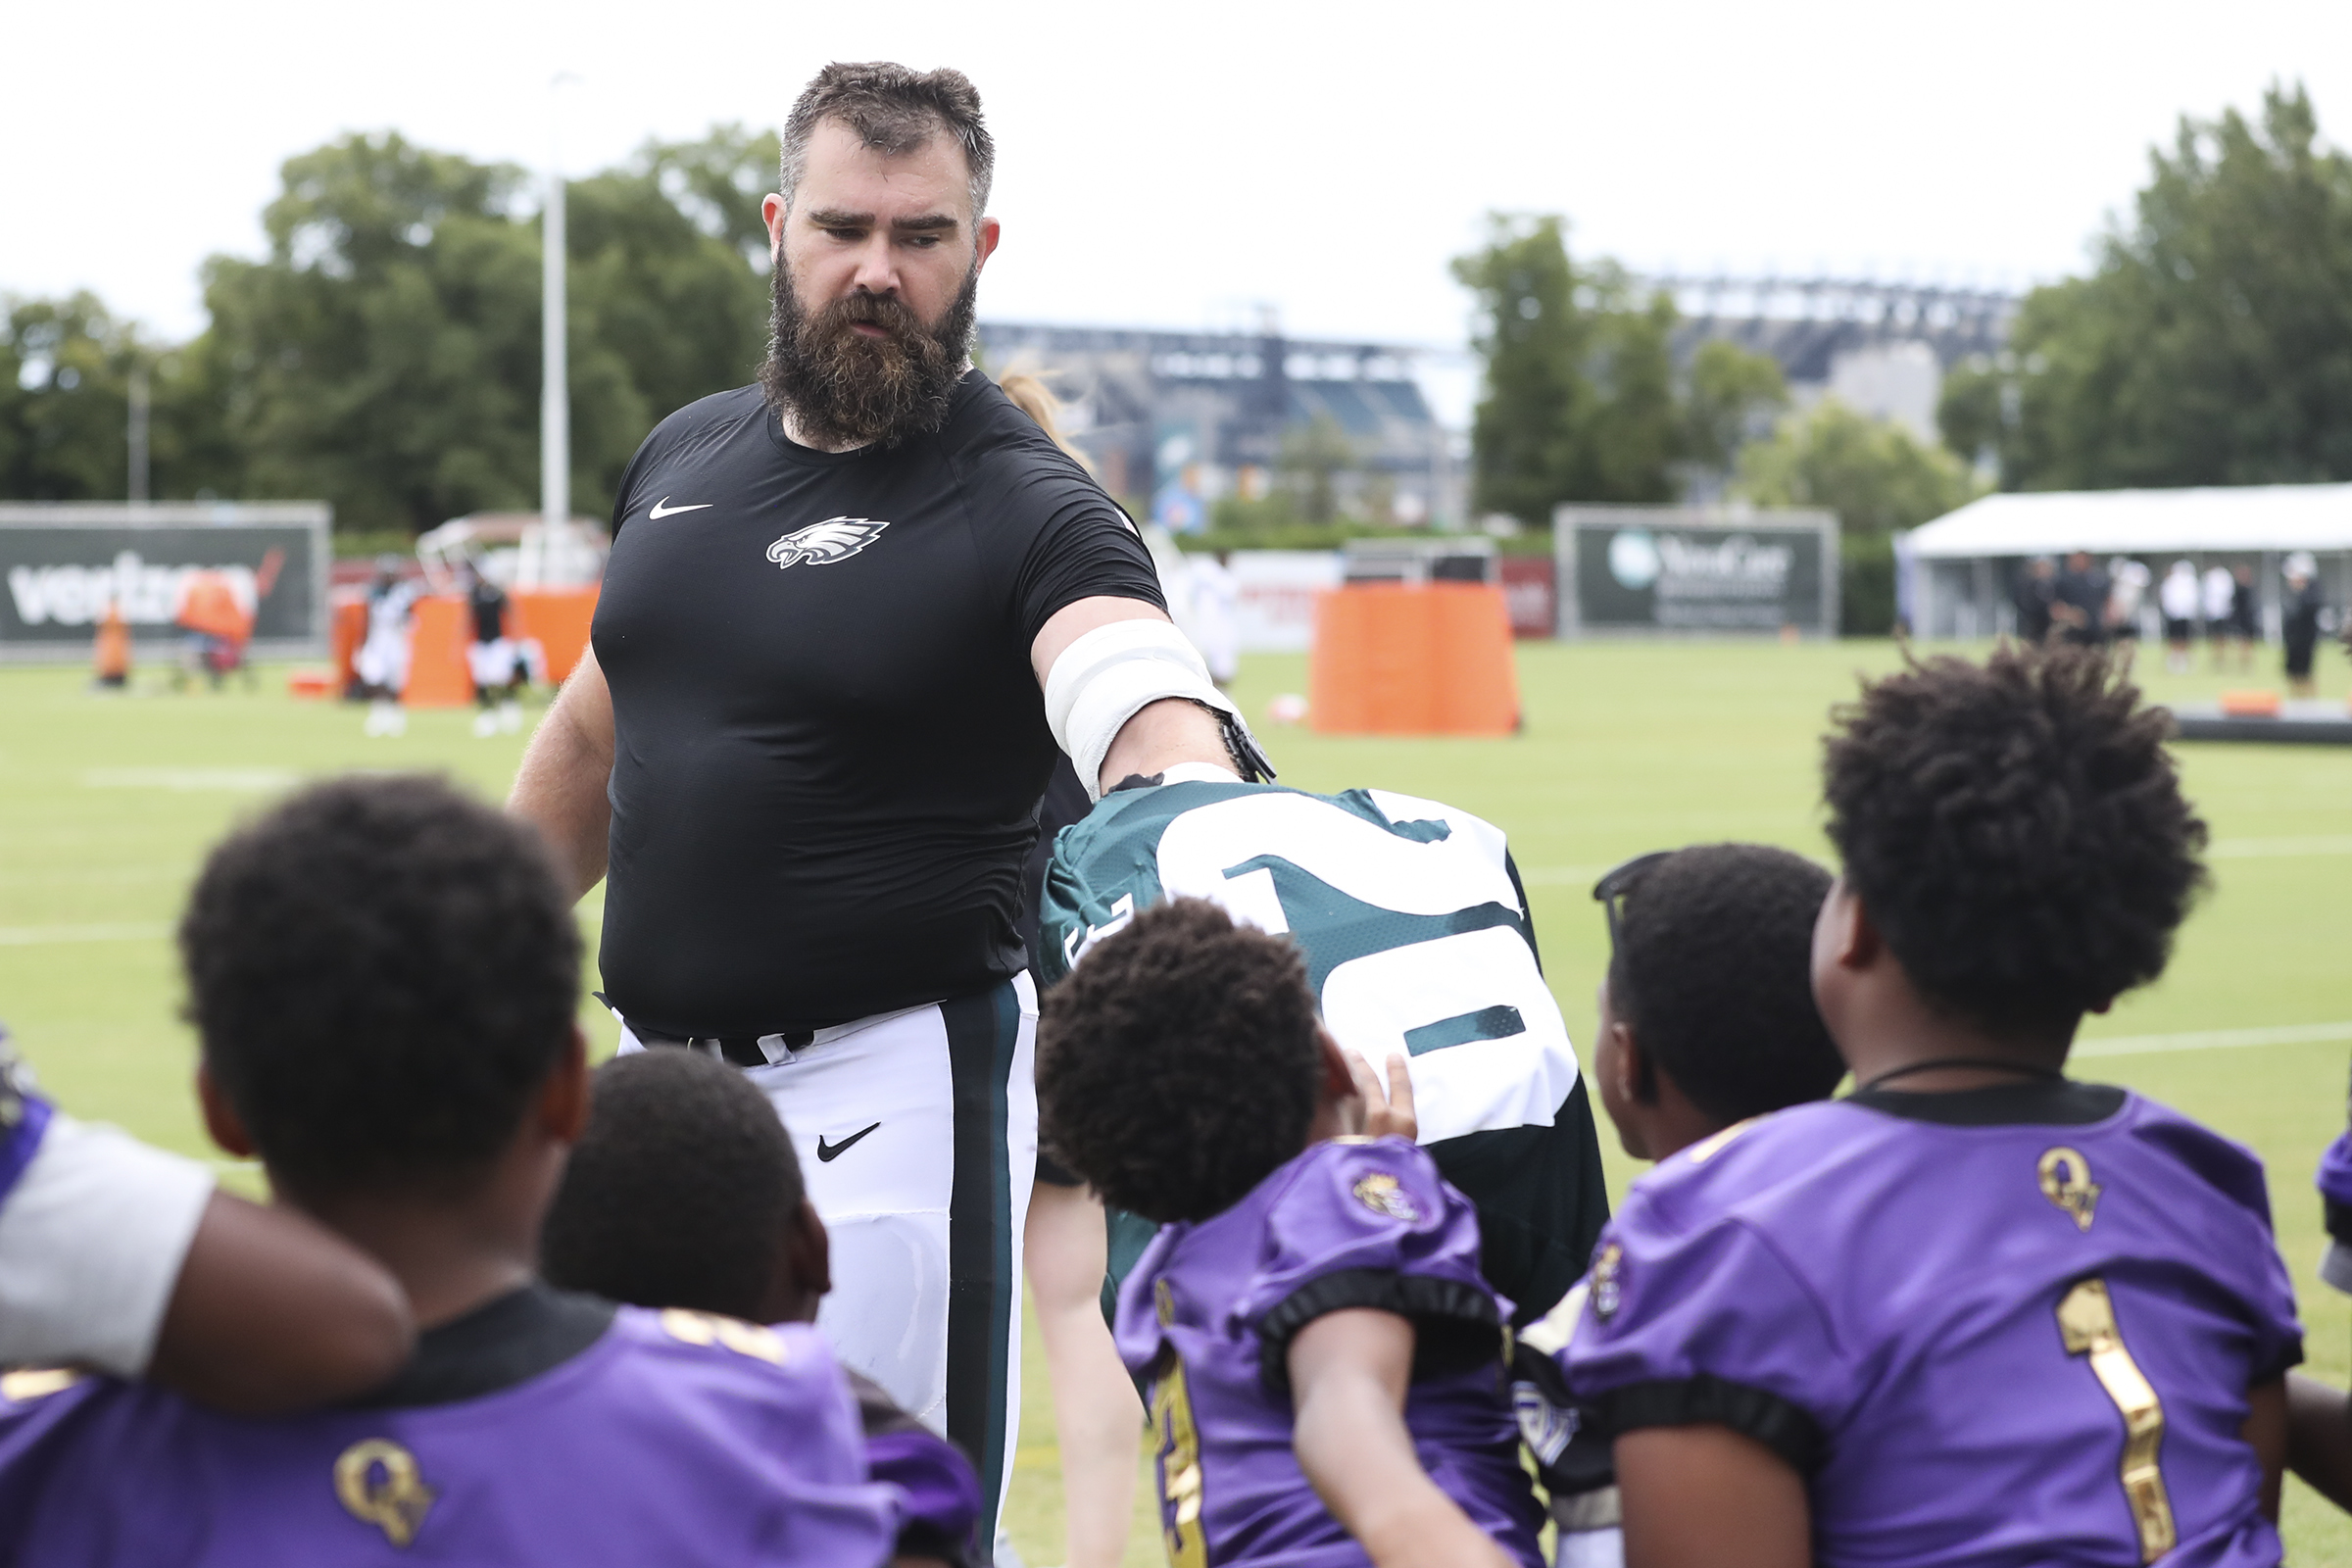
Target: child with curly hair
[
  {"x": 1978, "y": 1311},
  {"x": 1324, "y": 1358}
]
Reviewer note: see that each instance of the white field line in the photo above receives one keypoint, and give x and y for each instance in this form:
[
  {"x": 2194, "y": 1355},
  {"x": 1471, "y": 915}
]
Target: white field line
[
  {"x": 2263, "y": 849},
  {"x": 2293, "y": 1034},
  {"x": 35, "y": 936},
  {"x": 1537, "y": 876},
  {"x": 190, "y": 778}
]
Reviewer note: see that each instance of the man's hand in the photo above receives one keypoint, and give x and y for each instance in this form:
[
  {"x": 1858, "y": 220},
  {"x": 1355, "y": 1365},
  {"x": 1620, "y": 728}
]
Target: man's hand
[
  {"x": 1162, "y": 734},
  {"x": 565, "y": 770}
]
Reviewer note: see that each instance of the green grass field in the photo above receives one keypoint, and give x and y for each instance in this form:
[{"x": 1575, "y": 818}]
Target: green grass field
[{"x": 108, "y": 803}]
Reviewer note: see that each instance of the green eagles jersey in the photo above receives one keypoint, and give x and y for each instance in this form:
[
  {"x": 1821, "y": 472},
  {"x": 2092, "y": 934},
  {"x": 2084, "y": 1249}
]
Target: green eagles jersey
[{"x": 1417, "y": 941}]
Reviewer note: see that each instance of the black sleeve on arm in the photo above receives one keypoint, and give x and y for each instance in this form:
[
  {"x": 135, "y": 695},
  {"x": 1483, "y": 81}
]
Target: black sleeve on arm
[
  {"x": 1456, "y": 1325},
  {"x": 1703, "y": 1400},
  {"x": 1085, "y": 549}
]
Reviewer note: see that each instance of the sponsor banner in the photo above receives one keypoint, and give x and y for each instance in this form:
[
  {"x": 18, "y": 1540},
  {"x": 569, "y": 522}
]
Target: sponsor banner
[
  {"x": 63, "y": 565},
  {"x": 1274, "y": 597},
  {"x": 1672, "y": 569},
  {"x": 1529, "y": 591}
]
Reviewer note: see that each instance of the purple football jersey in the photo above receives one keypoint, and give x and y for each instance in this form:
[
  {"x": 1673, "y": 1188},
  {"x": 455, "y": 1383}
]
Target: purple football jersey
[
  {"x": 2335, "y": 1196},
  {"x": 1209, "y": 1315},
  {"x": 673, "y": 1438},
  {"x": 2009, "y": 1325},
  {"x": 938, "y": 1493}
]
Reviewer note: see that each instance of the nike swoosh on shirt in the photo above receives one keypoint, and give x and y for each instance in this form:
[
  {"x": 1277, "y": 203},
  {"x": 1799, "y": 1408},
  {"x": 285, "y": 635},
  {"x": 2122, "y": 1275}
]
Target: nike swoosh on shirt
[
  {"x": 663, "y": 509},
  {"x": 828, "y": 1152}
]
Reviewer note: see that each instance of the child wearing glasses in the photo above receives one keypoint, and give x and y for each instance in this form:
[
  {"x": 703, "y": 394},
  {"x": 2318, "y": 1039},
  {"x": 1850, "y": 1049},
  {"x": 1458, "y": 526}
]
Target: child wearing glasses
[
  {"x": 1977, "y": 1311},
  {"x": 1706, "y": 1020},
  {"x": 1323, "y": 1355}
]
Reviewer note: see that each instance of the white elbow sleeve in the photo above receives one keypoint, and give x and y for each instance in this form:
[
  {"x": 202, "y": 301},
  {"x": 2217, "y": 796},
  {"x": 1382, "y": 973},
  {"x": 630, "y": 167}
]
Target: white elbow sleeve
[{"x": 1113, "y": 672}]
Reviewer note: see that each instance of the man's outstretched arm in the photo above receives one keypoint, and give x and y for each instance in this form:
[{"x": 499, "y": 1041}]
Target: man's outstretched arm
[
  {"x": 561, "y": 786},
  {"x": 1157, "y": 737}
]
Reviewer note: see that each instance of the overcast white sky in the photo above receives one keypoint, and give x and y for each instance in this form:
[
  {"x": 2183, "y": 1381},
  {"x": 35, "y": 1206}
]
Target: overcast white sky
[{"x": 1178, "y": 164}]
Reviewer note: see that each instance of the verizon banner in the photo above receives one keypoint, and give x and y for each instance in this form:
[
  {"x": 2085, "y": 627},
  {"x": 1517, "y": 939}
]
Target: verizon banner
[{"x": 63, "y": 564}]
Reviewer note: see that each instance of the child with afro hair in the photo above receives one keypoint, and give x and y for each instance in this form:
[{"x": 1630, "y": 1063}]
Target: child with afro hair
[
  {"x": 1324, "y": 1358},
  {"x": 1977, "y": 1311}
]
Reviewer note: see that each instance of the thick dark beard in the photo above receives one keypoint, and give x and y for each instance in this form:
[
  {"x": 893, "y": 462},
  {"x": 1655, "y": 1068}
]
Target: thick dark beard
[{"x": 844, "y": 389}]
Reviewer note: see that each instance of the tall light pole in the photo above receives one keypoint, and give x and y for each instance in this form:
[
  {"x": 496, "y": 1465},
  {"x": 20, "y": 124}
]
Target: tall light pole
[{"x": 554, "y": 395}]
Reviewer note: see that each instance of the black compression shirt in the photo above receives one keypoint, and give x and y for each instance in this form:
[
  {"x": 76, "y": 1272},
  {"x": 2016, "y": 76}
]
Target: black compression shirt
[{"x": 828, "y": 741}]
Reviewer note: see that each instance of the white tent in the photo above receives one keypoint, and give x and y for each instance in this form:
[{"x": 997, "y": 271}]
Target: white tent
[{"x": 1962, "y": 566}]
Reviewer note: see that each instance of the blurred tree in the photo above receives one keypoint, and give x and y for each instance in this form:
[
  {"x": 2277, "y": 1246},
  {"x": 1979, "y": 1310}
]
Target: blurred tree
[
  {"x": 385, "y": 355},
  {"x": 1523, "y": 436},
  {"x": 63, "y": 401},
  {"x": 1733, "y": 397},
  {"x": 65, "y": 367},
  {"x": 1308, "y": 469},
  {"x": 718, "y": 181},
  {"x": 2213, "y": 342},
  {"x": 1874, "y": 475},
  {"x": 1581, "y": 400}
]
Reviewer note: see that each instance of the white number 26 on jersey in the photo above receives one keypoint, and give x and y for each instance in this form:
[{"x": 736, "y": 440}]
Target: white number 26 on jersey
[{"x": 1489, "y": 1048}]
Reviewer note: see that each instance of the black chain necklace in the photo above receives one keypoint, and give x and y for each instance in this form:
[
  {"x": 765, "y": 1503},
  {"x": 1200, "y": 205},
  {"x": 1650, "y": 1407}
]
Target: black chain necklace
[{"x": 2028, "y": 1070}]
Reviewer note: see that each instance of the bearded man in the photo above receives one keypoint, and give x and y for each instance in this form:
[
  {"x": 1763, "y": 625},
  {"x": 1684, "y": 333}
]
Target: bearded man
[{"x": 808, "y": 745}]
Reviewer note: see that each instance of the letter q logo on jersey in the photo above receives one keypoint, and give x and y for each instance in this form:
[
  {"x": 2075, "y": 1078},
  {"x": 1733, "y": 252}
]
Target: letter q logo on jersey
[{"x": 821, "y": 544}]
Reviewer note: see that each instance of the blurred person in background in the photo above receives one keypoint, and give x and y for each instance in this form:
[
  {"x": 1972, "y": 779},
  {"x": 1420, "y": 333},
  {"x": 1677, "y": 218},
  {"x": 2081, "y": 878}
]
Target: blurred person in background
[
  {"x": 2126, "y": 590},
  {"x": 2178, "y": 598},
  {"x": 2036, "y": 592},
  {"x": 2079, "y": 604},
  {"x": 1215, "y": 597},
  {"x": 2299, "y": 617},
  {"x": 493, "y": 659},
  {"x": 216, "y": 625},
  {"x": 382, "y": 662},
  {"x": 2245, "y": 612},
  {"x": 2219, "y": 590},
  {"x": 110, "y": 658}
]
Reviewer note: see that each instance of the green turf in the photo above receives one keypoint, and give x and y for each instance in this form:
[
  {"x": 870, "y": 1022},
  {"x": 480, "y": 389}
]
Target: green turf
[{"x": 107, "y": 803}]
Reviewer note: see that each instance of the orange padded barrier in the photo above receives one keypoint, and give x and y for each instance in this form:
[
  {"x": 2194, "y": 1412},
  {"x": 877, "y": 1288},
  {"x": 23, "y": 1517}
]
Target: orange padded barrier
[
  {"x": 437, "y": 639},
  {"x": 1392, "y": 660},
  {"x": 559, "y": 618},
  {"x": 2250, "y": 705},
  {"x": 349, "y": 629}
]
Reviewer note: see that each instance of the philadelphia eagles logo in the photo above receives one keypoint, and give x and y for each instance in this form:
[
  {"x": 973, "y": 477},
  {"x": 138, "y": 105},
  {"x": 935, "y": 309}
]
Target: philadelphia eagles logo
[{"x": 823, "y": 543}]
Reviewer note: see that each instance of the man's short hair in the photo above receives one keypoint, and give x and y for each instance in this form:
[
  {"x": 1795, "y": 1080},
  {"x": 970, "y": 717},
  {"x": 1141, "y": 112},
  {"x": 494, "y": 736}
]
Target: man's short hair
[
  {"x": 381, "y": 971},
  {"x": 1713, "y": 973},
  {"x": 1178, "y": 1065},
  {"x": 892, "y": 111},
  {"x": 2016, "y": 831},
  {"x": 681, "y": 1192}
]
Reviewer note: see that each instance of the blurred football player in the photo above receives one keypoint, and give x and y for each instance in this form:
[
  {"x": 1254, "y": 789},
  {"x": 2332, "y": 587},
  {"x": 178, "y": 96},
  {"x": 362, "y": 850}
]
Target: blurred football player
[
  {"x": 383, "y": 976},
  {"x": 380, "y": 667},
  {"x": 1975, "y": 1313},
  {"x": 494, "y": 660},
  {"x": 685, "y": 1191},
  {"x": 1324, "y": 1358}
]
